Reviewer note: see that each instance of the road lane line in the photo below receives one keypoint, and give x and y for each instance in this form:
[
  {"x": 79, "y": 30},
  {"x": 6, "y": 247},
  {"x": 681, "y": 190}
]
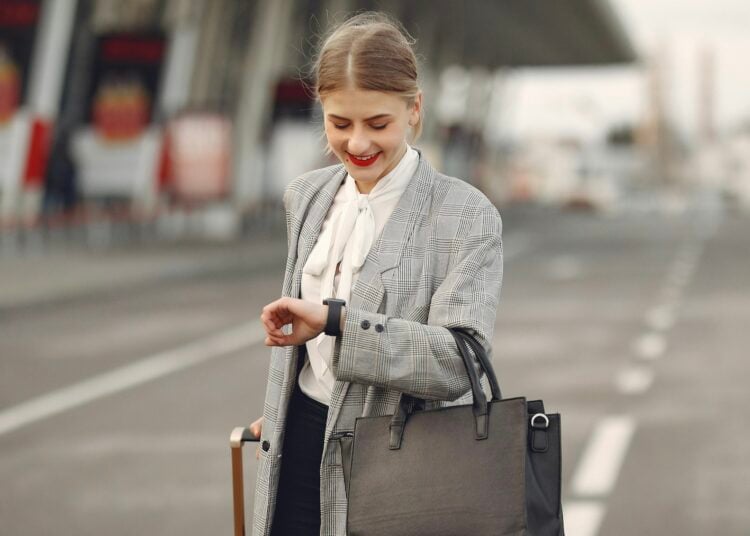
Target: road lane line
[
  {"x": 634, "y": 380},
  {"x": 660, "y": 318},
  {"x": 600, "y": 464},
  {"x": 583, "y": 518},
  {"x": 671, "y": 295},
  {"x": 681, "y": 273},
  {"x": 120, "y": 379},
  {"x": 650, "y": 345}
]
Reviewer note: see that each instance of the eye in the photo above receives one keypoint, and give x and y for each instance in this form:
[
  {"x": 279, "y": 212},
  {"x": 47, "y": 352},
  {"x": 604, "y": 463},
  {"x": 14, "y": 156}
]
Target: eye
[
  {"x": 379, "y": 127},
  {"x": 340, "y": 126}
]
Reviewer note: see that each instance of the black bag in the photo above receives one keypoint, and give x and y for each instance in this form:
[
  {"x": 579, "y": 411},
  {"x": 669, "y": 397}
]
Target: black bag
[{"x": 485, "y": 469}]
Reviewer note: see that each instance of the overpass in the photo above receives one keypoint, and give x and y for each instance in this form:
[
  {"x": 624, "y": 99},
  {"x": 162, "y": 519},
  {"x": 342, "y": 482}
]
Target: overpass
[{"x": 511, "y": 33}]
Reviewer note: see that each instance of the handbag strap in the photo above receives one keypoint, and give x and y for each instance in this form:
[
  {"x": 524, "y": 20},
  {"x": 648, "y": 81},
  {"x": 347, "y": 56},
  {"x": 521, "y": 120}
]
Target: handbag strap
[
  {"x": 484, "y": 361},
  {"x": 480, "y": 407}
]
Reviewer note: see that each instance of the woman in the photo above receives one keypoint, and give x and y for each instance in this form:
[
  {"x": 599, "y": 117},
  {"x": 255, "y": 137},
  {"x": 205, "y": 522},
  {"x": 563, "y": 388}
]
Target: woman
[{"x": 411, "y": 252}]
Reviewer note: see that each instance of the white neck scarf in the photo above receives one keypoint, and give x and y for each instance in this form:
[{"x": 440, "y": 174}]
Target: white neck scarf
[{"x": 351, "y": 232}]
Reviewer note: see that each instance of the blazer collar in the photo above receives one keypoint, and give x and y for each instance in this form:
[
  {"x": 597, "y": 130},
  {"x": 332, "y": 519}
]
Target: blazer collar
[
  {"x": 388, "y": 248},
  {"x": 368, "y": 292},
  {"x": 314, "y": 211},
  {"x": 413, "y": 204}
]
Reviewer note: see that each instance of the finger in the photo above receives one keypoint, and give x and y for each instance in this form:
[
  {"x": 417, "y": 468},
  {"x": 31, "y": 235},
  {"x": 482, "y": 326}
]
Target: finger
[
  {"x": 273, "y": 320},
  {"x": 267, "y": 313},
  {"x": 270, "y": 328},
  {"x": 282, "y": 308},
  {"x": 276, "y": 305},
  {"x": 276, "y": 341},
  {"x": 272, "y": 305},
  {"x": 286, "y": 340},
  {"x": 279, "y": 317}
]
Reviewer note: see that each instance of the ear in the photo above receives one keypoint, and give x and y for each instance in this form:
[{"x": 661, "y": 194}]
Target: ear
[{"x": 416, "y": 110}]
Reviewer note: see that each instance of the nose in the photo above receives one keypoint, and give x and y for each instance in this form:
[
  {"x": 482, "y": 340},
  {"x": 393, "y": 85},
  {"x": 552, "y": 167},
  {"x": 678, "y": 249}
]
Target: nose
[{"x": 359, "y": 142}]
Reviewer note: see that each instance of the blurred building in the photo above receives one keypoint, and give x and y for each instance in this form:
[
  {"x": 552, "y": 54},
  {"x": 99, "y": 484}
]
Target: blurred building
[{"x": 156, "y": 104}]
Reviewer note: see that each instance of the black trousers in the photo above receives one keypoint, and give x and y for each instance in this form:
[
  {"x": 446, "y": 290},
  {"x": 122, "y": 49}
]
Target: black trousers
[{"x": 297, "y": 510}]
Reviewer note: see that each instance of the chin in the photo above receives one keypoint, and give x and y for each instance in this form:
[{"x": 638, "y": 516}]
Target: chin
[
  {"x": 360, "y": 177},
  {"x": 369, "y": 175}
]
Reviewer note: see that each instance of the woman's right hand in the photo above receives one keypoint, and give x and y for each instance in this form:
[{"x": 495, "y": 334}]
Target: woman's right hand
[{"x": 256, "y": 428}]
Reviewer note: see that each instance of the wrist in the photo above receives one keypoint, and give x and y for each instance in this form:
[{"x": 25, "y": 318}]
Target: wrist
[{"x": 334, "y": 316}]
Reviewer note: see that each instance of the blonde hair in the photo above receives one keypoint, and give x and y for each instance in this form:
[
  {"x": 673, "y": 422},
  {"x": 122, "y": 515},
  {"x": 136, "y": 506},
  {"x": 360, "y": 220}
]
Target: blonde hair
[{"x": 370, "y": 51}]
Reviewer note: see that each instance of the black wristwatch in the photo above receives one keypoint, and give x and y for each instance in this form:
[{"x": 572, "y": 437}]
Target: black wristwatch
[{"x": 333, "y": 323}]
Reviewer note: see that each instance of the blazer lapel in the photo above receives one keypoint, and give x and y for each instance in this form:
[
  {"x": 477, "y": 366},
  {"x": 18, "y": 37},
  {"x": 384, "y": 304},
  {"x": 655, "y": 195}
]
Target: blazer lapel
[
  {"x": 411, "y": 208},
  {"x": 368, "y": 292},
  {"x": 317, "y": 209},
  {"x": 314, "y": 209},
  {"x": 387, "y": 251}
]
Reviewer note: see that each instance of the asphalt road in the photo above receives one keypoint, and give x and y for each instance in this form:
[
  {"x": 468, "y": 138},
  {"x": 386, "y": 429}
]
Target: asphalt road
[{"x": 116, "y": 408}]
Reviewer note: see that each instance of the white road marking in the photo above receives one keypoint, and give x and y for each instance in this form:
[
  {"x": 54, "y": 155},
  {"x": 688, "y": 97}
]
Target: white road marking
[
  {"x": 602, "y": 460},
  {"x": 681, "y": 273},
  {"x": 605, "y": 452},
  {"x": 634, "y": 380},
  {"x": 650, "y": 345},
  {"x": 680, "y": 279},
  {"x": 691, "y": 252},
  {"x": 683, "y": 267},
  {"x": 660, "y": 318},
  {"x": 142, "y": 371},
  {"x": 583, "y": 518},
  {"x": 671, "y": 294}
]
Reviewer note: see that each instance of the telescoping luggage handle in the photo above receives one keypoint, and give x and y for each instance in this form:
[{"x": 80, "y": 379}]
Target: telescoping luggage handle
[{"x": 238, "y": 437}]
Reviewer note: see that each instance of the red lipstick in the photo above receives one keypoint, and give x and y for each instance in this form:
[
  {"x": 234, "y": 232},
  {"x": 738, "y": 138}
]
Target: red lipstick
[{"x": 363, "y": 162}]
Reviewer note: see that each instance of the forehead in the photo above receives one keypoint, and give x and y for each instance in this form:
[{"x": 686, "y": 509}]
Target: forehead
[{"x": 361, "y": 103}]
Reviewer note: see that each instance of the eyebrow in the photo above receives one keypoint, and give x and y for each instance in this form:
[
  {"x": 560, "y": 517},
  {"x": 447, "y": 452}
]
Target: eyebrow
[{"x": 379, "y": 116}]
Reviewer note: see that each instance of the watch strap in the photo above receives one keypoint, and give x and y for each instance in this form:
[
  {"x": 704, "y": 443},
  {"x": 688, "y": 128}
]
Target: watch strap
[{"x": 333, "y": 322}]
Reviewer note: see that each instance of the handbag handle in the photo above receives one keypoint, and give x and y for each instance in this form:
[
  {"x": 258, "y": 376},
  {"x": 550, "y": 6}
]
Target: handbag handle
[
  {"x": 484, "y": 362},
  {"x": 480, "y": 407}
]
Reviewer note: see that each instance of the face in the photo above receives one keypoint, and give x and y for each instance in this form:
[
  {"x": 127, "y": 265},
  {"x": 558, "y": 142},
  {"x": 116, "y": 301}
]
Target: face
[{"x": 367, "y": 131}]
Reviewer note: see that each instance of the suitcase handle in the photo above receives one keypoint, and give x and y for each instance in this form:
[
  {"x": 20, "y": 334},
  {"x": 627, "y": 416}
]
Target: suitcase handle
[
  {"x": 238, "y": 437},
  {"x": 241, "y": 434}
]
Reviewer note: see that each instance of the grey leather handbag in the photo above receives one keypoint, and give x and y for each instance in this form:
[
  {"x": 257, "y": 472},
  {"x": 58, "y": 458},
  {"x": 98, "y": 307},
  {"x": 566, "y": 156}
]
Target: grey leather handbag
[{"x": 489, "y": 468}]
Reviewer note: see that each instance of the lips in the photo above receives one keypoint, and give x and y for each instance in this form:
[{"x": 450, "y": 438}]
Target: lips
[{"x": 364, "y": 162}]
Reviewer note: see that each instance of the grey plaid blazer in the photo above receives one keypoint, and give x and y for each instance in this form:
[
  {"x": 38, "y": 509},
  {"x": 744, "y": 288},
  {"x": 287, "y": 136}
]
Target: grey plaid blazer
[{"x": 437, "y": 264}]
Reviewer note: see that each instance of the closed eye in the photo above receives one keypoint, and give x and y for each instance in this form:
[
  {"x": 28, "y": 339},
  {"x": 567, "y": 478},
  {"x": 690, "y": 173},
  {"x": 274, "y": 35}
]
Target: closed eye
[{"x": 342, "y": 126}]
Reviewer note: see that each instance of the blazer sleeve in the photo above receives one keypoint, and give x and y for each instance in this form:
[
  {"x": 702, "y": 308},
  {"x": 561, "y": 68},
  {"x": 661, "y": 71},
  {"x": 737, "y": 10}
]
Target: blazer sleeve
[{"x": 422, "y": 359}]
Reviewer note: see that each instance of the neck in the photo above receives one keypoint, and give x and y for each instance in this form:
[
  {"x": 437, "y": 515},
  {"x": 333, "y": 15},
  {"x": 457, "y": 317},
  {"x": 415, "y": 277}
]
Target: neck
[{"x": 366, "y": 187}]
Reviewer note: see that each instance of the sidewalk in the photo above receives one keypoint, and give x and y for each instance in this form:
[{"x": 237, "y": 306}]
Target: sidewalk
[{"x": 36, "y": 278}]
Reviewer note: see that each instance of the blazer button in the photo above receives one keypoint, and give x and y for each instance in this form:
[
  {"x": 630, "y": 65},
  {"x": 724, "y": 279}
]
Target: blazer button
[
  {"x": 265, "y": 445},
  {"x": 365, "y": 324},
  {"x": 379, "y": 328}
]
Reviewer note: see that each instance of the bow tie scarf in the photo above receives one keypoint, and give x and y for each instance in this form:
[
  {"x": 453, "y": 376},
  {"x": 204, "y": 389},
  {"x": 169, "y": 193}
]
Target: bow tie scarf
[{"x": 347, "y": 240}]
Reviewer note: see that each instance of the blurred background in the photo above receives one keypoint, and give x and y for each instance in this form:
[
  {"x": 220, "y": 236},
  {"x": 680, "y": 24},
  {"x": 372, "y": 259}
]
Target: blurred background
[{"x": 144, "y": 149}]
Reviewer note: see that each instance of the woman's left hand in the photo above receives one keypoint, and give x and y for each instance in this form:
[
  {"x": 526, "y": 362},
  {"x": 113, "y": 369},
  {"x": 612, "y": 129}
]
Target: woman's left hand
[{"x": 307, "y": 319}]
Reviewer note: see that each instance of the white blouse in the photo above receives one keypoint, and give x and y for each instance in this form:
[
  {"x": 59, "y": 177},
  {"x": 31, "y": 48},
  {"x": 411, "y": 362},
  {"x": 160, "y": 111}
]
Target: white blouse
[{"x": 350, "y": 228}]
